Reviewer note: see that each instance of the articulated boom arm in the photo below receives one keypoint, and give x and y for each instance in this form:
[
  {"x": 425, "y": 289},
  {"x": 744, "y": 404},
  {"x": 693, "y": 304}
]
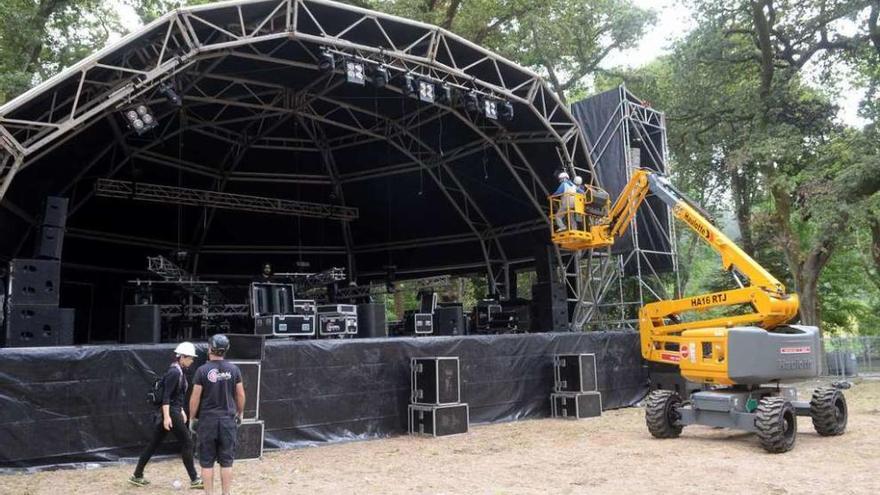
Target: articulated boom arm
[{"x": 659, "y": 322}]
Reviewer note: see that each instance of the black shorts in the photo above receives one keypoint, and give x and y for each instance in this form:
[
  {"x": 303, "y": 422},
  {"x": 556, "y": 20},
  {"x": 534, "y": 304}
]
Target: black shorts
[{"x": 217, "y": 441}]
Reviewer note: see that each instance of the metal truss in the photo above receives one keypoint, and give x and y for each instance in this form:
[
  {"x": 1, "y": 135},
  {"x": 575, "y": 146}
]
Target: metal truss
[
  {"x": 606, "y": 297},
  {"x": 361, "y": 291},
  {"x": 189, "y": 44},
  {"x": 199, "y": 310},
  {"x": 158, "y": 193}
]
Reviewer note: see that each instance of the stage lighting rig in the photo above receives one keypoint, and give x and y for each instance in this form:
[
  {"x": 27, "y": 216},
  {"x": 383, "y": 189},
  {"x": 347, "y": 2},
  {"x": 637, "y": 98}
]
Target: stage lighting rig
[
  {"x": 472, "y": 102},
  {"x": 410, "y": 85},
  {"x": 354, "y": 72},
  {"x": 140, "y": 118},
  {"x": 327, "y": 61},
  {"x": 168, "y": 92},
  {"x": 446, "y": 95},
  {"x": 426, "y": 91},
  {"x": 490, "y": 109},
  {"x": 506, "y": 111},
  {"x": 380, "y": 76}
]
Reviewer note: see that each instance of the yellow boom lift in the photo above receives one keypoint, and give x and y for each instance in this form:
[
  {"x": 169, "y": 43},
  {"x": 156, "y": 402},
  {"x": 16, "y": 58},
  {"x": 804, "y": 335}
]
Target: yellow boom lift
[{"x": 740, "y": 358}]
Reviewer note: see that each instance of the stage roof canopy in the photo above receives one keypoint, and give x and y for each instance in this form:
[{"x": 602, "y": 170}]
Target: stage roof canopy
[{"x": 275, "y": 154}]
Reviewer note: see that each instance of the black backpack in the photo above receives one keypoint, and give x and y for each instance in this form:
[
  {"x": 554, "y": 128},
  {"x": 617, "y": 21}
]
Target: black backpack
[{"x": 157, "y": 391}]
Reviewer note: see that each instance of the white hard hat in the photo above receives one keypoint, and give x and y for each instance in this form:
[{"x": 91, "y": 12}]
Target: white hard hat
[
  {"x": 563, "y": 176},
  {"x": 578, "y": 180},
  {"x": 185, "y": 349}
]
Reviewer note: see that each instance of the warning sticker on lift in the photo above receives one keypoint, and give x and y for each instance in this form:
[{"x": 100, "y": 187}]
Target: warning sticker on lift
[
  {"x": 795, "y": 350},
  {"x": 670, "y": 357}
]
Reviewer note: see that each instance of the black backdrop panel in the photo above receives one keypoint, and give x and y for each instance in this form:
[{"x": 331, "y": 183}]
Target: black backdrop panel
[
  {"x": 84, "y": 404},
  {"x": 599, "y": 117}
]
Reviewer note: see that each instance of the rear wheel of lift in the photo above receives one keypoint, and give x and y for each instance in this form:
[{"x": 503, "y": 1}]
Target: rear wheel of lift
[
  {"x": 661, "y": 414},
  {"x": 777, "y": 424},
  {"x": 828, "y": 410}
]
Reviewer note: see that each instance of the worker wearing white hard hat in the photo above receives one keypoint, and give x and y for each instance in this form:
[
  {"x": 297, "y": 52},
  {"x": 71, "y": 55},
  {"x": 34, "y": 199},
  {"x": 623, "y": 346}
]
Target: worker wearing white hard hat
[
  {"x": 566, "y": 202},
  {"x": 169, "y": 393}
]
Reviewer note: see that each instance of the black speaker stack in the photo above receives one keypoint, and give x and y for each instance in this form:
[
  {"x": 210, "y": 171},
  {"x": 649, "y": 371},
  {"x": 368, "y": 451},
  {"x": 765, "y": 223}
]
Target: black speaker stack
[
  {"x": 247, "y": 352},
  {"x": 576, "y": 394},
  {"x": 34, "y": 318},
  {"x": 436, "y": 408},
  {"x": 449, "y": 320},
  {"x": 143, "y": 324},
  {"x": 549, "y": 311}
]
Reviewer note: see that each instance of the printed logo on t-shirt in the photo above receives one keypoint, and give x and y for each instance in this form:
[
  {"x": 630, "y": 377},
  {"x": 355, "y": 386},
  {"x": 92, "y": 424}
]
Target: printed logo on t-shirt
[{"x": 216, "y": 375}]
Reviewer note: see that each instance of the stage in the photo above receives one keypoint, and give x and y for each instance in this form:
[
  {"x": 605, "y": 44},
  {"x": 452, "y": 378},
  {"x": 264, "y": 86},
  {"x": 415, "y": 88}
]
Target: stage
[{"x": 87, "y": 403}]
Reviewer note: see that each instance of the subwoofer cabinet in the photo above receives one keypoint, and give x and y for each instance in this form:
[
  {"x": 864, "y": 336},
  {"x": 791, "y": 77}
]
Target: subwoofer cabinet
[
  {"x": 435, "y": 381},
  {"x": 438, "y": 421},
  {"x": 576, "y": 405},
  {"x": 251, "y": 374}
]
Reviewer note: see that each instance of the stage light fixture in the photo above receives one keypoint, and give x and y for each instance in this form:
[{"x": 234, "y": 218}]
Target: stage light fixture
[
  {"x": 446, "y": 95},
  {"x": 490, "y": 109},
  {"x": 327, "y": 62},
  {"x": 354, "y": 72},
  {"x": 140, "y": 118},
  {"x": 380, "y": 76},
  {"x": 168, "y": 92},
  {"x": 472, "y": 102},
  {"x": 426, "y": 91},
  {"x": 410, "y": 86},
  {"x": 506, "y": 111}
]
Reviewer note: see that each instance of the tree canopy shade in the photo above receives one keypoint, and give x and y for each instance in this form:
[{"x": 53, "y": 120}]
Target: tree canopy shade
[{"x": 440, "y": 187}]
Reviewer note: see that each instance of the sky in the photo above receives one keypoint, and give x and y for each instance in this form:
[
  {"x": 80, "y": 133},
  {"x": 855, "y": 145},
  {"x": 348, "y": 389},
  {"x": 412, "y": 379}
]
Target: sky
[{"x": 673, "y": 21}]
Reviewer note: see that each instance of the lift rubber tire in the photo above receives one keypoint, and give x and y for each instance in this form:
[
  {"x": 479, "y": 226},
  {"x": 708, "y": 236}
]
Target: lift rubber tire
[
  {"x": 777, "y": 424},
  {"x": 661, "y": 414},
  {"x": 829, "y": 412}
]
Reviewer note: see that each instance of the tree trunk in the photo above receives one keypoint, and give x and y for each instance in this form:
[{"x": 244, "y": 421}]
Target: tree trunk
[
  {"x": 809, "y": 299},
  {"x": 743, "y": 209}
]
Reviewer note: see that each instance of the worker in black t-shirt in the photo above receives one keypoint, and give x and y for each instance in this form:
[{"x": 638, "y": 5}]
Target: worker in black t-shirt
[
  {"x": 172, "y": 417},
  {"x": 216, "y": 406}
]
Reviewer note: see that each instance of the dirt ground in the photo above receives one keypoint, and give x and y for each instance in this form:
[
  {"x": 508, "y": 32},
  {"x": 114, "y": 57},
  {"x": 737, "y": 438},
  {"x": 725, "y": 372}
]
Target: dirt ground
[{"x": 613, "y": 454}]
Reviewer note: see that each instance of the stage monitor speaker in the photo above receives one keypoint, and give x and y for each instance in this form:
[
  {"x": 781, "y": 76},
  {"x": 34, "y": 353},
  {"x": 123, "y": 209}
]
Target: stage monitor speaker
[
  {"x": 371, "y": 320},
  {"x": 243, "y": 346},
  {"x": 49, "y": 243},
  {"x": 56, "y": 212},
  {"x": 34, "y": 282},
  {"x": 449, "y": 320},
  {"x": 39, "y": 326},
  {"x": 143, "y": 324}
]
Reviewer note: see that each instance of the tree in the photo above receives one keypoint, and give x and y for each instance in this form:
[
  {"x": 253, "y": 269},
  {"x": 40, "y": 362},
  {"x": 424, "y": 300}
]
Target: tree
[
  {"x": 565, "y": 40},
  {"x": 37, "y": 39}
]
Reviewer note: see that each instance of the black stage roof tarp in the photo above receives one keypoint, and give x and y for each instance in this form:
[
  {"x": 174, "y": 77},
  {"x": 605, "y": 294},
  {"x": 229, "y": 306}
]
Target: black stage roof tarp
[{"x": 87, "y": 404}]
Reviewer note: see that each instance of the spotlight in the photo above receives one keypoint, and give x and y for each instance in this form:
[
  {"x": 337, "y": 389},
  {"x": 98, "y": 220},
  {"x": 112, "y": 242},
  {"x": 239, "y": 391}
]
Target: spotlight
[
  {"x": 140, "y": 118},
  {"x": 426, "y": 91},
  {"x": 168, "y": 92},
  {"x": 380, "y": 76},
  {"x": 490, "y": 109},
  {"x": 472, "y": 103},
  {"x": 409, "y": 85},
  {"x": 354, "y": 72},
  {"x": 327, "y": 62},
  {"x": 506, "y": 111}
]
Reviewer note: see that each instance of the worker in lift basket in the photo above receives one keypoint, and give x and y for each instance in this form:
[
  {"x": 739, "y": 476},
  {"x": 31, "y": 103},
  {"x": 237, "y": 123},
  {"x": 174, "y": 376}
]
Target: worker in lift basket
[{"x": 566, "y": 203}]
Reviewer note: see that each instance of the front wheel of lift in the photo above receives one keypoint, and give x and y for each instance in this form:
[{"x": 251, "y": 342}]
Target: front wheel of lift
[
  {"x": 829, "y": 412},
  {"x": 661, "y": 414},
  {"x": 776, "y": 422}
]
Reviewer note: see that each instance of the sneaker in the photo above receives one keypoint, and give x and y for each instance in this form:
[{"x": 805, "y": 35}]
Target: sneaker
[
  {"x": 197, "y": 484},
  {"x": 134, "y": 480}
]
